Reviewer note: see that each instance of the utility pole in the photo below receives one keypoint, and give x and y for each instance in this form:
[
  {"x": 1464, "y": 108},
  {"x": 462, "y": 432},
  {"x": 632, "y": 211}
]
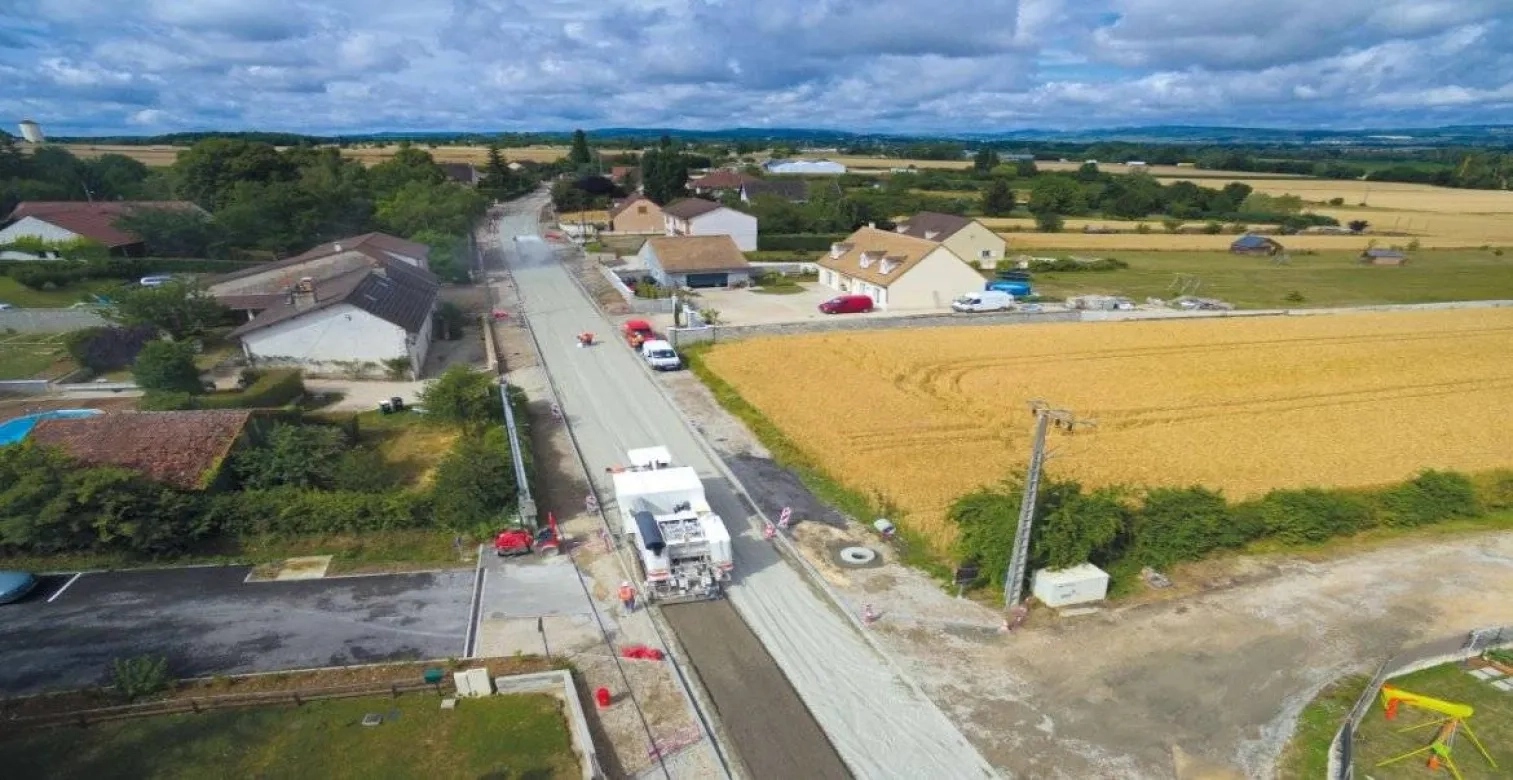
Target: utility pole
[{"x": 1013, "y": 585}]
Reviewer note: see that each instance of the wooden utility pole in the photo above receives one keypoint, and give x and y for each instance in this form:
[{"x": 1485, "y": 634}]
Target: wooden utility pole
[{"x": 1013, "y": 584}]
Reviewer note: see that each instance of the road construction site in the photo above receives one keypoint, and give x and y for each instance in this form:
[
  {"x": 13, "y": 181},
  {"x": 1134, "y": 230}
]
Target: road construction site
[{"x": 780, "y": 647}]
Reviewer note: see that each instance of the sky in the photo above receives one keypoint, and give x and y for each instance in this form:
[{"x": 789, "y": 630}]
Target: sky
[{"x": 144, "y": 67}]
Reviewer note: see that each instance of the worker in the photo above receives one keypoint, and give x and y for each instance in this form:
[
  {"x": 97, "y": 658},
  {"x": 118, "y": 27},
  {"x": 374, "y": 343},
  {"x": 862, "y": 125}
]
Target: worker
[{"x": 627, "y": 596}]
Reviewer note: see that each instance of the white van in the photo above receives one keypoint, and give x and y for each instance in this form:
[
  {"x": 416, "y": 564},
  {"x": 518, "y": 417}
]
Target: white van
[
  {"x": 986, "y": 300},
  {"x": 661, "y": 355}
]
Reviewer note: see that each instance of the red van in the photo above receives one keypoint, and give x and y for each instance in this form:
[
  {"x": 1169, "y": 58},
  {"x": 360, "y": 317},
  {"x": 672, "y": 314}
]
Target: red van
[{"x": 847, "y": 304}]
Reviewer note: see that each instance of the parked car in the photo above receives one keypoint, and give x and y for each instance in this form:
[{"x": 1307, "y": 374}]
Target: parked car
[
  {"x": 1011, "y": 286},
  {"x": 155, "y": 280},
  {"x": 14, "y": 585},
  {"x": 987, "y": 300},
  {"x": 661, "y": 356},
  {"x": 847, "y": 304},
  {"x": 4, "y": 306}
]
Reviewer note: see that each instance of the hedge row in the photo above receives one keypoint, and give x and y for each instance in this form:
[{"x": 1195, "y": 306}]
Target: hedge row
[
  {"x": 37, "y": 274},
  {"x": 797, "y": 242},
  {"x": 292, "y": 511},
  {"x": 271, "y": 389}
]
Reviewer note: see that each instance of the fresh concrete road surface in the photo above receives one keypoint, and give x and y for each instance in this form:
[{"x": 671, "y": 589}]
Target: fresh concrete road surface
[
  {"x": 880, "y": 725},
  {"x": 210, "y": 621}
]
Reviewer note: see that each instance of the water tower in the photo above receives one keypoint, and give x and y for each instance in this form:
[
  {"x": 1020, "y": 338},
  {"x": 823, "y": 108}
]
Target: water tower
[{"x": 31, "y": 131}]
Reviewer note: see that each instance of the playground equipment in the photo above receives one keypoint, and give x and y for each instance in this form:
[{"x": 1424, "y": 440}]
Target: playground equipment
[{"x": 1450, "y": 726}]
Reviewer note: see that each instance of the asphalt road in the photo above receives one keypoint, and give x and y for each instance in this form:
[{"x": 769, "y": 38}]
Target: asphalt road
[
  {"x": 209, "y": 621},
  {"x": 879, "y": 724}
]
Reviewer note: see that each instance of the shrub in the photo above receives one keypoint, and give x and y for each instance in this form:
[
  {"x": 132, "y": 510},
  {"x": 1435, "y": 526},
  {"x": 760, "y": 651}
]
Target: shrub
[
  {"x": 293, "y": 455},
  {"x": 107, "y": 348},
  {"x": 140, "y": 677},
  {"x": 285, "y": 511},
  {"x": 165, "y": 401},
  {"x": 475, "y": 483},
  {"x": 1142, "y": 228},
  {"x": 1303, "y": 516},
  {"x": 167, "y": 366},
  {"x": 1431, "y": 497},
  {"x": 271, "y": 389},
  {"x": 797, "y": 242},
  {"x": 1181, "y": 524},
  {"x": 1212, "y": 227},
  {"x": 1069, "y": 265},
  {"x": 1049, "y": 222}
]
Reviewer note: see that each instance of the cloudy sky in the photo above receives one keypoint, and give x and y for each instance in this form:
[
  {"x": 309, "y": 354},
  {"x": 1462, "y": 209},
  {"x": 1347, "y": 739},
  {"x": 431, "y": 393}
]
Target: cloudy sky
[{"x": 150, "y": 66}]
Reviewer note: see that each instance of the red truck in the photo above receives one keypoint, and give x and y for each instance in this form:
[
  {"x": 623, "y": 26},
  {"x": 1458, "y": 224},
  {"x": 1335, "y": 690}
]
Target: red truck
[{"x": 638, "y": 332}]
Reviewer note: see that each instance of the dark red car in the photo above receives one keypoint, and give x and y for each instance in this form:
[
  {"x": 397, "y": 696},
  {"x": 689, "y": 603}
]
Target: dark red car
[{"x": 847, "y": 304}]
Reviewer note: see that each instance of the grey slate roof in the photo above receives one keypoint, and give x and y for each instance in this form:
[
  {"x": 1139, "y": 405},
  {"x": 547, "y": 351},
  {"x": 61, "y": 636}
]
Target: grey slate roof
[
  {"x": 788, "y": 189},
  {"x": 395, "y": 292},
  {"x": 942, "y": 225},
  {"x": 688, "y": 208}
]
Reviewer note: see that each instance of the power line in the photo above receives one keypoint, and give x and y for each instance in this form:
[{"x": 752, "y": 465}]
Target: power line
[{"x": 1045, "y": 417}]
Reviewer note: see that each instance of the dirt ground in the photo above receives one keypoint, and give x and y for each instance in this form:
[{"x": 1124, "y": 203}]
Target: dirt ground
[{"x": 1205, "y": 682}]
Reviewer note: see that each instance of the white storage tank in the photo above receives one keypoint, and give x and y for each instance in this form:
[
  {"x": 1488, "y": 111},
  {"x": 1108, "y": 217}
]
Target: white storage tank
[{"x": 1079, "y": 584}]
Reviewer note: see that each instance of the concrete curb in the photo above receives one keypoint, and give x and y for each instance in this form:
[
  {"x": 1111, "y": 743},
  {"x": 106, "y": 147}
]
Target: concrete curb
[{"x": 559, "y": 684}]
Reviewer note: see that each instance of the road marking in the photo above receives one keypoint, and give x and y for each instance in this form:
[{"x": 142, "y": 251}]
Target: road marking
[
  {"x": 59, "y": 592},
  {"x": 475, "y": 609}
]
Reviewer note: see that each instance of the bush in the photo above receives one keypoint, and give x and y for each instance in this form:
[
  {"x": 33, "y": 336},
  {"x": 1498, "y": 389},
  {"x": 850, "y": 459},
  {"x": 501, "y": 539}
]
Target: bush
[
  {"x": 271, "y": 389},
  {"x": 1181, "y": 524},
  {"x": 167, "y": 366},
  {"x": 1069, "y": 265},
  {"x": 165, "y": 401},
  {"x": 797, "y": 242},
  {"x": 475, "y": 483},
  {"x": 1431, "y": 497},
  {"x": 140, "y": 677},
  {"x": 1303, "y": 516},
  {"x": 292, "y": 455},
  {"x": 106, "y": 349},
  {"x": 286, "y": 511}
]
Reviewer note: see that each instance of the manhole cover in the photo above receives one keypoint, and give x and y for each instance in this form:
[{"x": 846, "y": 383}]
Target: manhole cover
[{"x": 857, "y": 556}]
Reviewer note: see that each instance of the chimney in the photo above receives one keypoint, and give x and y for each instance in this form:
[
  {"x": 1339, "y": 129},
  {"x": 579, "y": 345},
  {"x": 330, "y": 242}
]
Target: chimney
[
  {"x": 336, "y": 247},
  {"x": 304, "y": 292},
  {"x": 836, "y": 250},
  {"x": 931, "y": 234}
]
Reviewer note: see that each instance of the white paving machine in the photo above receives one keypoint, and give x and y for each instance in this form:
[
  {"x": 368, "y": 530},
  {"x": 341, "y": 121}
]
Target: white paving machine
[{"x": 682, "y": 546}]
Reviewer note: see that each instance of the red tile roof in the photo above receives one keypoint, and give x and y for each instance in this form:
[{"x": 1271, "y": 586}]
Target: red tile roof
[
  {"x": 181, "y": 449},
  {"x": 94, "y": 221}
]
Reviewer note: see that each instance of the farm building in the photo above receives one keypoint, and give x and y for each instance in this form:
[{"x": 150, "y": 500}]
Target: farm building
[
  {"x": 637, "y": 214},
  {"x": 186, "y": 450},
  {"x": 804, "y": 167},
  {"x": 791, "y": 190},
  {"x": 699, "y": 217},
  {"x": 1252, "y": 244},
  {"x": 695, "y": 262},
  {"x": 370, "y": 317},
  {"x": 62, "y": 221},
  {"x": 719, "y": 182},
  {"x": 967, "y": 238},
  {"x": 898, "y": 271},
  {"x": 1384, "y": 257}
]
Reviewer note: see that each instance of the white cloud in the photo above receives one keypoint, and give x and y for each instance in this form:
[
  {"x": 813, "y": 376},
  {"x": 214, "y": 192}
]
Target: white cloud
[{"x": 965, "y": 65}]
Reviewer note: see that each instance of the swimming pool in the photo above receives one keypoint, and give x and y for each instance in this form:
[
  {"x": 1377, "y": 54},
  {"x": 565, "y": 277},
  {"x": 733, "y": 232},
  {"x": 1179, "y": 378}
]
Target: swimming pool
[{"x": 16, "y": 428}]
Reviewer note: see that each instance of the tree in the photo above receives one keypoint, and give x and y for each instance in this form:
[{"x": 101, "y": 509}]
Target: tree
[
  {"x": 1025, "y": 169},
  {"x": 171, "y": 232},
  {"x": 1057, "y": 195},
  {"x": 580, "y": 155},
  {"x": 1088, "y": 172},
  {"x": 998, "y": 199},
  {"x": 106, "y": 349},
  {"x": 408, "y": 166},
  {"x": 664, "y": 172},
  {"x": 431, "y": 205},
  {"x": 208, "y": 171},
  {"x": 986, "y": 160},
  {"x": 178, "y": 309},
  {"x": 304, "y": 456},
  {"x": 500, "y": 182},
  {"x": 1171, "y": 224},
  {"x": 1358, "y": 225},
  {"x": 475, "y": 486},
  {"x": 1049, "y": 222},
  {"x": 448, "y": 258},
  {"x": 463, "y": 397},
  {"x": 167, "y": 366}
]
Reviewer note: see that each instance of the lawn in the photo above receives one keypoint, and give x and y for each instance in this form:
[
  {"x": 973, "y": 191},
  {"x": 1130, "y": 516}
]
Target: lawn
[
  {"x": 33, "y": 356},
  {"x": 1325, "y": 279},
  {"x": 411, "y": 444},
  {"x": 1307, "y": 753},
  {"x": 1378, "y": 740},
  {"x": 517, "y": 736},
  {"x": 23, "y": 297}
]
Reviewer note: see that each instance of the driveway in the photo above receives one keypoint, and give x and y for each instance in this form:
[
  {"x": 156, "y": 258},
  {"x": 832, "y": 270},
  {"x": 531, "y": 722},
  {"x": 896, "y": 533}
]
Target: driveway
[{"x": 208, "y": 620}]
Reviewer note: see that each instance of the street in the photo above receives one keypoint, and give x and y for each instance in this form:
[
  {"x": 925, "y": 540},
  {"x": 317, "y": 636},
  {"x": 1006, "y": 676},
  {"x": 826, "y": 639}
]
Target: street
[
  {"x": 209, "y": 620},
  {"x": 880, "y": 725}
]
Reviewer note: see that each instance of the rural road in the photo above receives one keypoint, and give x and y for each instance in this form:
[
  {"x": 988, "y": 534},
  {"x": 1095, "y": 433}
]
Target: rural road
[{"x": 881, "y": 726}]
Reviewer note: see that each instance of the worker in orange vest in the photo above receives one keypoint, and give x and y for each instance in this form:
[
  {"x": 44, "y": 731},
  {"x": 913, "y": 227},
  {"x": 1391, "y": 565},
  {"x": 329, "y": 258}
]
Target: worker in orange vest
[{"x": 627, "y": 596}]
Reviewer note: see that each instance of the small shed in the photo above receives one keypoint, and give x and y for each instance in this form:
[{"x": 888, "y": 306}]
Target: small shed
[
  {"x": 1080, "y": 584},
  {"x": 1384, "y": 257},
  {"x": 1252, "y": 244}
]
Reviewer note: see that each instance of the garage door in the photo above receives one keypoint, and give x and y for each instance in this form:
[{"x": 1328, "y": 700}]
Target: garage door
[{"x": 695, "y": 281}]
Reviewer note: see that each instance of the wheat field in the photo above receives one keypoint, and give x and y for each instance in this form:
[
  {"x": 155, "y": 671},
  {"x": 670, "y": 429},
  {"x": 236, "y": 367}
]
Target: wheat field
[
  {"x": 1240, "y": 404},
  {"x": 368, "y": 155}
]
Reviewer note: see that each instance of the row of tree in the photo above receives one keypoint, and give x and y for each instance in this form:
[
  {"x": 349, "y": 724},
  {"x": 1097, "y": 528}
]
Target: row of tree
[{"x": 52, "y": 173}]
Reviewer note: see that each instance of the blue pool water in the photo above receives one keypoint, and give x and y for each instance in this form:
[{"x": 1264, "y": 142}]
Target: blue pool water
[{"x": 16, "y": 428}]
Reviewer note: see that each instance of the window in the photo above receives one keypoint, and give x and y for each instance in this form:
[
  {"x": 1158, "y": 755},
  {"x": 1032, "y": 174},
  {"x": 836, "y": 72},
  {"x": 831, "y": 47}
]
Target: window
[
  {"x": 987, "y": 254},
  {"x": 640, "y": 209}
]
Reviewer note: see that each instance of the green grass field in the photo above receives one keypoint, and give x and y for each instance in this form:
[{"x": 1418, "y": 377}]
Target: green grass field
[
  {"x": 32, "y": 356},
  {"x": 521, "y": 736},
  {"x": 23, "y": 297},
  {"x": 1378, "y": 739},
  {"x": 1325, "y": 279}
]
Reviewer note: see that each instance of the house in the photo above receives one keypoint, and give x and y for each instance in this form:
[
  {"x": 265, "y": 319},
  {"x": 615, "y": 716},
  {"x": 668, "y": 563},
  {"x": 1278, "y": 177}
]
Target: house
[
  {"x": 60, "y": 221},
  {"x": 791, "y": 190},
  {"x": 185, "y": 450},
  {"x": 367, "y": 320},
  {"x": 898, "y": 271},
  {"x": 462, "y": 173},
  {"x": 719, "y": 182},
  {"x": 698, "y": 217},
  {"x": 1384, "y": 257},
  {"x": 804, "y": 167},
  {"x": 254, "y": 289},
  {"x": 969, "y": 239},
  {"x": 637, "y": 214},
  {"x": 1252, "y": 244},
  {"x": 695, "y": 261}
]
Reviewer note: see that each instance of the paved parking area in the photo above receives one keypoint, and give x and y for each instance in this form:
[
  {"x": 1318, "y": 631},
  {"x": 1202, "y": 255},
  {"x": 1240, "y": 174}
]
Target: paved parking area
[{"x": 210, "y": 621}]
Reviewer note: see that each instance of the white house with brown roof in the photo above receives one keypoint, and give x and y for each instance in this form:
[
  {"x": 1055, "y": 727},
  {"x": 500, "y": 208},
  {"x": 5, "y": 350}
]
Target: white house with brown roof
[
  {"x": 251, "y": 289},
  {"x": 698, "y": 217},
  {"x": 64, "y": 221},
  {"x": 897, "y": 271},
  {"x": 637, "y": 214},
  {"x": 695, "y": 261},
  {"x": 969, "y": 239}
]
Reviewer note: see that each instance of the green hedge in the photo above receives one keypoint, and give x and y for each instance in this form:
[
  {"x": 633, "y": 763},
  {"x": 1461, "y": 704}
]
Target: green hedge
[
  {"x": 797, "y": 242},
  {"x": 61, "y": 273},
  {"x": 290, "y": 511},
  {"x": 272, "y": 388}
]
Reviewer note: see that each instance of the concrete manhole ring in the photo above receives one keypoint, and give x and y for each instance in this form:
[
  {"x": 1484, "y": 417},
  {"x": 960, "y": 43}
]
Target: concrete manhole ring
[{"x": 856, "y": 556}]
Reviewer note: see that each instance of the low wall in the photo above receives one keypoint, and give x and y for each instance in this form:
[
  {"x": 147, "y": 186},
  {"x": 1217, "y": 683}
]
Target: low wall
[
  {"x": 786, "y": 269},
  {"x": 25, "y": 386},
  {"x": 560, "y": 684},
  {"x": 49, "y": 320},
  {"x": 637, "y": 305},
  {"x": 717, "y": 333}
]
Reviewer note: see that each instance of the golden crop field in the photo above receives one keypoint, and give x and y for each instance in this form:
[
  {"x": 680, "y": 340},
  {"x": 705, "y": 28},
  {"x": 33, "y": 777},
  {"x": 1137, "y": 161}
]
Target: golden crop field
[
  {"x": 1242, "y": 404},
  {"x": 369, "y": 155}
]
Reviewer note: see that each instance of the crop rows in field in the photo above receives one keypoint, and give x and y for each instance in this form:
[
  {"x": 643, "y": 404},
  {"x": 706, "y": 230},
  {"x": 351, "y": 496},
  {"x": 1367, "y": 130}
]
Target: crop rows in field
[{"x": 1245, "y": 405}]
